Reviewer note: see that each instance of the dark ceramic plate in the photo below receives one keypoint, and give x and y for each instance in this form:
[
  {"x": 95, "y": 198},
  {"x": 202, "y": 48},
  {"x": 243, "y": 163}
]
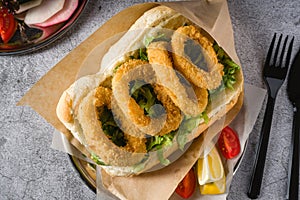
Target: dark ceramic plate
[{"x": 17, "y": 46}]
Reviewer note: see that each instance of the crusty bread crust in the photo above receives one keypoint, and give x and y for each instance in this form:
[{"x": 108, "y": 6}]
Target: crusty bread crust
[
  {"x": 64, "y": 108},
  {"x": 71, "y": 98}
]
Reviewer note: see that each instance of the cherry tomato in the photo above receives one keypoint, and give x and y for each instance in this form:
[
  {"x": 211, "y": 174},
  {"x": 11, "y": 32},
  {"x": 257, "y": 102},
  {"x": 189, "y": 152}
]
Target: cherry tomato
[
  {"x": 186, "y": 187},
  {"x": 229, "y": 143},
  {"x": 8, "y": 25}
]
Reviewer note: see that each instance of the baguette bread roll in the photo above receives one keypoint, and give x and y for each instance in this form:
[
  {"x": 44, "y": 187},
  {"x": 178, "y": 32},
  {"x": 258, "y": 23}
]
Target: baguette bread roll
[{"x": 96, "y": 110}]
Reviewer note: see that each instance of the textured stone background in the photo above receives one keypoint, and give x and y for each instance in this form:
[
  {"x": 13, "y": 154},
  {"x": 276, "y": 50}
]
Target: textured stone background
[{"x": 30, "y": 169}]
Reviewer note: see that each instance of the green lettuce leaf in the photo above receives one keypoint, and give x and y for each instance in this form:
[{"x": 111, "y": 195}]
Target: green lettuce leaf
[
  {"x": 143, "y": 54},
  {"x": 159, "y": 142},
  {"x": 97, "y": 159},
  {"x": 230, "y": 69},
  {"x": 110, "y": 127}
]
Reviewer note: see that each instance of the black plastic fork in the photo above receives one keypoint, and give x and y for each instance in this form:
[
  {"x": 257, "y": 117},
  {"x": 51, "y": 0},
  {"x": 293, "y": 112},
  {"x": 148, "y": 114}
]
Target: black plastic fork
[{"x": 274, "y": 74}]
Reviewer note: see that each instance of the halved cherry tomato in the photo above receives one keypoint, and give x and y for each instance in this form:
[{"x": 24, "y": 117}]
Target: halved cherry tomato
[
  {"x": 229, "y": 143},
  {"x": 8, "y": 25},
  {"x": 186, "y": 187}
]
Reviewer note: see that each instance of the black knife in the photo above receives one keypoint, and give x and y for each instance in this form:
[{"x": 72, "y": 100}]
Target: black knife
[{"x": 293, "y": 90}]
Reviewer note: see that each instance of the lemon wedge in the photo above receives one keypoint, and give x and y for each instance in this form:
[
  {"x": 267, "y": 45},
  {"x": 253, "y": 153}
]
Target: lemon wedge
[
  {"x": 217, "y": 187},
  {"x": 210, "y": 168}
]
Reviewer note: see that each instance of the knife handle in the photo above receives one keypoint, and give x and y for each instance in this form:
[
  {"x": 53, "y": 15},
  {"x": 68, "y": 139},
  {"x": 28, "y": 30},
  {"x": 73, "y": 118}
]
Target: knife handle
[
  {"x": 293, "y": 184},
  {"x": 259, "y": 164}
]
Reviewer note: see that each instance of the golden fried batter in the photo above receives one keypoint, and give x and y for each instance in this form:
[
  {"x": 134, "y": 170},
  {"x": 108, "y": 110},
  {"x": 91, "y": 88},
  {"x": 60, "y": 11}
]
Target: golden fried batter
[
  {"x": 134, "y": 110},
  {"x": 136, "y": 145},
  {"x": 126, "y": 67},
  {"x": 103, "y": 98},
  {"x": 158, "y": 54},
  {"x": 137, "y": 114},
  {"x": 173, "y": 112},
  {"x": 210, "y": 79},
  {"x": 148, "y": 125},
  {"x": 202, "y": 97},
  {"x": 184, "y": 96}
]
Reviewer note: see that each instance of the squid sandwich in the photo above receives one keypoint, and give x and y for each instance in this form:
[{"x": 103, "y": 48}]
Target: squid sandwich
[{"x": 162, "y": 84}]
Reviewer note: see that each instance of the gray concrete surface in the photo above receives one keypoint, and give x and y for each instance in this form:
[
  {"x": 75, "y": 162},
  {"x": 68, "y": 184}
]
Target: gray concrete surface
[{"x": 30, "y": 169}]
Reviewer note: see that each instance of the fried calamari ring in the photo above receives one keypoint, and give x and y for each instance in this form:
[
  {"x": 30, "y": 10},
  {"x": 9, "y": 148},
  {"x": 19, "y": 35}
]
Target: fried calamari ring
[
  {"x": 142, "y": 70},
  {"x": 181, "y": 93},
  {"x": 126, "y": 73},
  {"x": 208, "y": 74},
  {"x": 93, "y": 114},
  {"x": 103, "y": 98}
]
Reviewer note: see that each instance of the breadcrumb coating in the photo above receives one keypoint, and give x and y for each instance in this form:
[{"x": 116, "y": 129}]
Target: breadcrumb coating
[
  {"x": 191, "y": 100},
  {"x": 210, "y": 79},
  {"x": 103, "y": 98}
]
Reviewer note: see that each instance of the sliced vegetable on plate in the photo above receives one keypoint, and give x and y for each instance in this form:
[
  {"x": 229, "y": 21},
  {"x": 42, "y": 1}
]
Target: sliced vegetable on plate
[
  {"x": 44, "y": 11},
  {"x": 8, "y": 25},
  {"x": 25, "y": 24},
  {"x": 61, "y": 16},
  {"x": 229, "y": 143}
]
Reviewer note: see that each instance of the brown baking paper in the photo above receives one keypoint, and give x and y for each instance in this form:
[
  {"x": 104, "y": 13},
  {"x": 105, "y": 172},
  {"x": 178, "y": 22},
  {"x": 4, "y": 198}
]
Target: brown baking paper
[
  {"x": 212, "y": 16},
  {"x": 161, "y": 184}
]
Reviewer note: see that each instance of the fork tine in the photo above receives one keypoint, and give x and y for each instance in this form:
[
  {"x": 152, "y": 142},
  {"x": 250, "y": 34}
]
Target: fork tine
[
  {"x": 282, "y": 52},
  {"x": 277, "y": 50},
  {"x": 270, "y": 52},
  {"x": 288, "y": 56}
]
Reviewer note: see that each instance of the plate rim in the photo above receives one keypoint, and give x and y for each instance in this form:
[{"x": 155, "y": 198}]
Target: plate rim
[{"x": 56, "y": 35}]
